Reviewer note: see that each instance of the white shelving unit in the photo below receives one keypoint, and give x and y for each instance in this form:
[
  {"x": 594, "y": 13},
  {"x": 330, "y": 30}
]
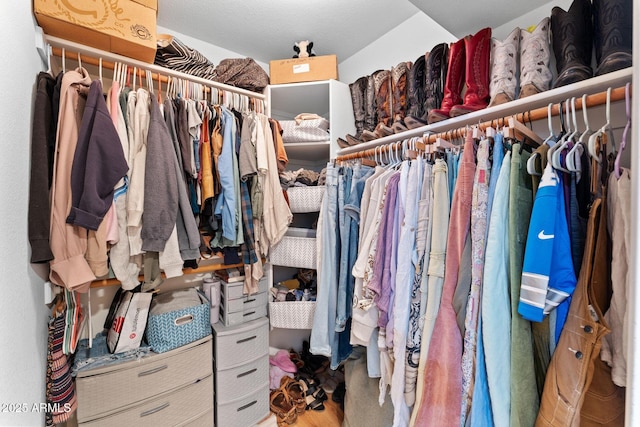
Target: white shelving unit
[{"x": 330, "y": 99}]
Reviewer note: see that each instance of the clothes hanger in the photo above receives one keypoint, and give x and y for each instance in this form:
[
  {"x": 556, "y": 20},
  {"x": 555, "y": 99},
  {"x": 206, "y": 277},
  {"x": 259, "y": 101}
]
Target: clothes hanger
[
  {"x": 563, "y": 133},
  {"x": 64, "y": 61},
  {"x": 623, "y": 143},
  {"x": 533, "y": 159},
  {"x": 524, "y": 131},
  {"x": 556, "y": 158},
  {"x": 573, "y": 156},
  {"x": 592, "y": 146}
]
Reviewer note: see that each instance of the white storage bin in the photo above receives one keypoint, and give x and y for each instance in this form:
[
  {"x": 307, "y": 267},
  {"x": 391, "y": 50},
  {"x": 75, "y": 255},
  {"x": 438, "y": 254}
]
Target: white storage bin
[
  {"x": 305, "y": 199},
  {"x": 296, "y": 249},
  {"x": 292, "y": 314}
]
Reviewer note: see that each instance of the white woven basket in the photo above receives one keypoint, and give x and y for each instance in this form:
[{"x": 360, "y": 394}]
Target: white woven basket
[
  {"x": 292, "y": 314},
  {"x": 296, "y": 249},
  {"x": 305, "y": 199}
]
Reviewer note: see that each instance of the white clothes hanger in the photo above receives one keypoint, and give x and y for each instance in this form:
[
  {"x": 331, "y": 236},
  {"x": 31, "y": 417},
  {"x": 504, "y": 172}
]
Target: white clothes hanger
[
  {"x": 566, "y": 140},
  {"x": 531, "y": 162},
  {"x": 573, "y": 156},
  {"x": 623, "y": 143},
  {"x": 64, "y": 60},
  {"x": 565, "y": 133},
  {"x": 606, "y": 128}
]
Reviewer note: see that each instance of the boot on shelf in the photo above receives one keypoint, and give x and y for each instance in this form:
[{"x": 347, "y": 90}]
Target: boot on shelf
[
  {"x": 370, "y": 110},
  {"x": 571, "y": 34},
  {"x": 453, "y": 83},
  {"x": 383, "y": 95},
  {"x": 478, "y": 51},
  {"x": 399, "y": 76},
  {"x": 415, "y": 94},
  {"x": 436, "y": 77},
  {"x": 612, "y": 22},
  {"x": 535, "y": 56},
  {"x": 504, "y": 68},
  {"x": 357, "y": 89}
]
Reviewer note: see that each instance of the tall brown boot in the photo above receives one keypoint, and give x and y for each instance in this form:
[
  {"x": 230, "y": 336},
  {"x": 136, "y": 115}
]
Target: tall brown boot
[
  {"x": 399, "y": 76},
  {"x": 382, "y": 85},
  {"x": 478, "y": 51},
  {"x": 453, "y": 83}
]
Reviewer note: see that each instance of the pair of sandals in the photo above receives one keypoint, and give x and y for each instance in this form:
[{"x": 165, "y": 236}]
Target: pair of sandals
[
  {"x": 288, "y": 401},
  {"x": 315, "y": 396}
]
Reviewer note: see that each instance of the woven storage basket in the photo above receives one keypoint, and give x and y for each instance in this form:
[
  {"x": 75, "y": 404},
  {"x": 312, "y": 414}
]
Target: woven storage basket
[
  {"x": 305, "y": 199},
  {"x": 292, "y": 314},
  {"x": 296, "y": 249}
]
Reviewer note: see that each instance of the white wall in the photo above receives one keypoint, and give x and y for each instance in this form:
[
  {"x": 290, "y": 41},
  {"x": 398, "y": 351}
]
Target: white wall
[
  {"x": 528, "y": 19},
  {"x": 414, "y": 37},
  {"x": 23, "y": 315},
  {"x": 212, "y": 52}
]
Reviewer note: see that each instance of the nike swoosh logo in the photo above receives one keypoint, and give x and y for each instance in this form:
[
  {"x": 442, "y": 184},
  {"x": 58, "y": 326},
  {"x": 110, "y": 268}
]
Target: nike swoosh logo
[{"x": 543, "y": 236}]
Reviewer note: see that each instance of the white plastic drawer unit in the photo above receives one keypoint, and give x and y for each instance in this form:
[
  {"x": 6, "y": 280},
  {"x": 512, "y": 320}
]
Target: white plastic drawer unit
[
  {"x": 234, "y": 383},
  {"x": 107, "y": 390},
  {"x": 173, "y": 408},
  {"x": 237, "y": 345},
  {"x": 245, "y": 411}
]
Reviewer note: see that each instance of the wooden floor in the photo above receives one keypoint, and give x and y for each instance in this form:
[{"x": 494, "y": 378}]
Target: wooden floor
[{"x": 330, "y": 417}]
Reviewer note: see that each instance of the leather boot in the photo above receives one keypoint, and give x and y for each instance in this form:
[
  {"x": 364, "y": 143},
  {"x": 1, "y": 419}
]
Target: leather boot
[
  {"x": 453, "y": 83},
  {"x": 478, "y": 52},
  {"x": 399, "y": 86},
  {"x": 370, "y": 114},
  {"x": 612, "y": 22},
  {"x": 415, "y": 94},
  {"x": 382, "y": 87},
  {"x": 504, "y": 68},
  {"x": 436, "y": 77},
  {"x": 535, "y": 55},
  {"x": 571, "y": 34},
  {"x": 357, "y": 89}
]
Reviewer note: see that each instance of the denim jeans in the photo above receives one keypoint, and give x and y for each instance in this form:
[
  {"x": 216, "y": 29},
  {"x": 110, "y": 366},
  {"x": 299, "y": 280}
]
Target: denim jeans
[
  {"x": 441, "y": 401},
  {"x": 325, "y": 315},
  {"x": 496, "y": 316}
]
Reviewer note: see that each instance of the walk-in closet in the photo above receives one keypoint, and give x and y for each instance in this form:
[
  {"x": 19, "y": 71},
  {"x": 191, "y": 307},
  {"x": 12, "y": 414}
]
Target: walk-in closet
[{"x": 338, "y": 214}]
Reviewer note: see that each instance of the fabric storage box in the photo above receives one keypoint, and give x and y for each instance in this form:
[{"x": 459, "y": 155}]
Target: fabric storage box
[
  {"x": 292, "y": 314},
  {"x": 296, "y": 249},
  {"x": 305, "y": 199},
  {"x": 312, "y": 130},
  {"x": 177, "y": 318},
  {"x": 294, "y": 70},
  {"x": 125, "y": 27}
]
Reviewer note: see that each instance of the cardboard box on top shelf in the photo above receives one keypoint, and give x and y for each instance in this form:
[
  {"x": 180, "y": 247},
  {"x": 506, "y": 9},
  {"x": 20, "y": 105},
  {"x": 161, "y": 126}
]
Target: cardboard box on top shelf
[
  {"x": 295, "y": 70},
  {"x": 125, "y": 27}
]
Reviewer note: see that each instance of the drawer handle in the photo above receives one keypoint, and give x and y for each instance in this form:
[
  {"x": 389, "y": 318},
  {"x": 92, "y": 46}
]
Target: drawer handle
[
  {"x": 153, "y": 371},
  {"x": 249, "y": 300},
  {"x": 244, "y": 374},
  {"x": 249, "y": 313},
  {"x": 248, "y": 405},
  {"x": 154, "y": 410},
  {"x": 183, "y": 320},
  {"x": 246, "y": 339}
]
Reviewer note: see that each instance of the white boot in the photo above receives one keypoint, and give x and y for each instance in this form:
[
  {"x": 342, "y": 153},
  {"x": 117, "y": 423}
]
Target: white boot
[
  {"x": 504, "y": 68},
  {"x": 535, "y": 54}
]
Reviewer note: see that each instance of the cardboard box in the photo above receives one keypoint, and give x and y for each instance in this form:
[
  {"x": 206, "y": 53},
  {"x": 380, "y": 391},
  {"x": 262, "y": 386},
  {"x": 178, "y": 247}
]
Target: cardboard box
[
  {"x": 309, "y": 69},
  {"x": 125, "y": 27}
]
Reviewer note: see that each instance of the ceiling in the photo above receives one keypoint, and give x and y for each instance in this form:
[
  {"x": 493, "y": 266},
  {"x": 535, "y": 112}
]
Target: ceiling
[{"x": 266, "y": 30}]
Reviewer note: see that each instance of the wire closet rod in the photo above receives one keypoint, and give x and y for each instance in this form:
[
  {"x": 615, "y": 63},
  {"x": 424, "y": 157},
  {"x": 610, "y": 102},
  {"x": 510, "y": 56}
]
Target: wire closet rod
[
  {"x": 92, "y": 56},
  {"x": 600, "y": 98}
]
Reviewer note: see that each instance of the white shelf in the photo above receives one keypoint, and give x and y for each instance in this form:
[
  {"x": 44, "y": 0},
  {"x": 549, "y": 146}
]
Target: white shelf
[
  {"x": 313, "y": 151},
  {"x": 590, "y": 86}
]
